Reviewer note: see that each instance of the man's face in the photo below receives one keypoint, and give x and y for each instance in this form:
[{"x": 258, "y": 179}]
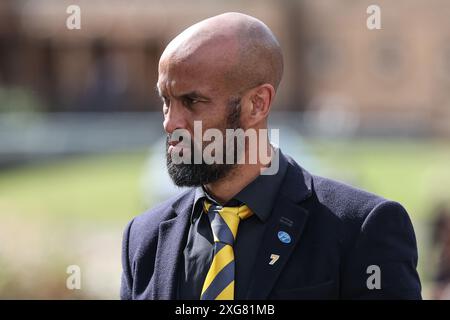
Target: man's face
[{"x": 195, "y": 91}]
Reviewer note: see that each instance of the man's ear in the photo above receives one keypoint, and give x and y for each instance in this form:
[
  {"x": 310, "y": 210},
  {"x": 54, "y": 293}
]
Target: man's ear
[{"x": 261, "y": 99}]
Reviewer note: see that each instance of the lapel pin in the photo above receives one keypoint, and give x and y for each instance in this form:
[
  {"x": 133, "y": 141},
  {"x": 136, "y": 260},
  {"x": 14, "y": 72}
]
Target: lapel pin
[
  {"x": 284, "y": 237},
  {"x": 274, "y": 258},
  {"x": 286, "y": 221}
]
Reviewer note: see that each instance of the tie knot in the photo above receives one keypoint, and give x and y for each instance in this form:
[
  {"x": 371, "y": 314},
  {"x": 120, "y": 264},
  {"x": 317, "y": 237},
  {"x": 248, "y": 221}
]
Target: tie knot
[{"x": 225, "y": 221}]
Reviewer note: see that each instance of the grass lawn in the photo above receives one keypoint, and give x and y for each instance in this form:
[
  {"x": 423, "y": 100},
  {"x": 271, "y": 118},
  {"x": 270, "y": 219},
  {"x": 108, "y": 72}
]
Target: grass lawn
[{"x": 104, "y": 188}]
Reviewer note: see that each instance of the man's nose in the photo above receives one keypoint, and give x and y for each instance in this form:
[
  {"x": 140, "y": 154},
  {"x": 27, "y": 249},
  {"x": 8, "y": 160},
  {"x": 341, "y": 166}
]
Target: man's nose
[{"x": 175, "y": 118}]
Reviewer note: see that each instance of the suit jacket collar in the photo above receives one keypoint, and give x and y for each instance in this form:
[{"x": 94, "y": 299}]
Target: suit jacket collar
[
  {"x": 297, "y": 184},
  {"x": 171, "y": 240}
]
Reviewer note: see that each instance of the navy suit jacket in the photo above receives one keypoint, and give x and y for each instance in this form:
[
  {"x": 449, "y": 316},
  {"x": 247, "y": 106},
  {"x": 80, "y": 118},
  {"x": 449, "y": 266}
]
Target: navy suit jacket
[{"x": 342, "y": 239}]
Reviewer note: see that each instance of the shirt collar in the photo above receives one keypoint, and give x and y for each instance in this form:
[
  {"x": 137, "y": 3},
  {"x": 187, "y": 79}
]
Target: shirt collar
[{"x": 251, "y": 195}]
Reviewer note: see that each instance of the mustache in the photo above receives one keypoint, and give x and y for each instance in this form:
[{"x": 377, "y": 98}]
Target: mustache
[{"x": 172, "y": 142}]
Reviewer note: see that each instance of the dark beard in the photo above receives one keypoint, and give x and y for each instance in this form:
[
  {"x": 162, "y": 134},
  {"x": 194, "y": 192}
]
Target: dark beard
[{"x": 193, "y": 175}]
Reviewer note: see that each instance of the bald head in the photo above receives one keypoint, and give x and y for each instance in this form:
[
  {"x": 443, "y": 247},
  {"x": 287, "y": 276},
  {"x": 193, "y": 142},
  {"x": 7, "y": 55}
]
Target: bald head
[{"x": 239, "y": 48}]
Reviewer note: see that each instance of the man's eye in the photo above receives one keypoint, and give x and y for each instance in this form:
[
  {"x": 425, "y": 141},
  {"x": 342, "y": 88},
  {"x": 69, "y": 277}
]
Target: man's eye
[{"x": 189, "y": 102}]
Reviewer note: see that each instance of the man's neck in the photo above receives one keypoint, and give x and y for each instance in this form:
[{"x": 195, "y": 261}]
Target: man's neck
[{"x": 237, "y": 179}]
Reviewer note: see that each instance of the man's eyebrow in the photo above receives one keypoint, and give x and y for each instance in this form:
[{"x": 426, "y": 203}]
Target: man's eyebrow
[{"x": 193, "y": 95}]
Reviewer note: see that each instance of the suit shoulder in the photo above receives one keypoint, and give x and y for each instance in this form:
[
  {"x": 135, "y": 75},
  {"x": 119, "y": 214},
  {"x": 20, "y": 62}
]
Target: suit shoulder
[
  {"x": 354, "y": 211},
  {"x": 338, "y": 199},
  {"x": 345, "y": 200}
]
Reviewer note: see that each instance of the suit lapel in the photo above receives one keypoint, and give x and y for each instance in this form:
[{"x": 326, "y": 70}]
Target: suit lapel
[
  {"x": 288, "y": 218},
  {"x": 171, "y": 240}
]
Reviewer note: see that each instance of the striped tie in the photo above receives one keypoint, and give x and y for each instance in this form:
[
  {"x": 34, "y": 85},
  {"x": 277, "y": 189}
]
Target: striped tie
[{"x": 219, "y": 282}]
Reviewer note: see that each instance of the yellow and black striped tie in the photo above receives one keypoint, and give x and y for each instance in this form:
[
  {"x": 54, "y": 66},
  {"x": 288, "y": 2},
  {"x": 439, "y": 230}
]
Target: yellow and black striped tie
[{"x": 219, "y": 282}]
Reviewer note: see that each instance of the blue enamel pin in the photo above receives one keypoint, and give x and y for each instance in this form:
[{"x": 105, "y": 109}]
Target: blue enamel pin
[{"x": 284, "y": 237}]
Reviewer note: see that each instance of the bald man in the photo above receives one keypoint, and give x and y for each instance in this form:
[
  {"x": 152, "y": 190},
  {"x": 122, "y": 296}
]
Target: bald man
[{"x": 242, "y": 231}]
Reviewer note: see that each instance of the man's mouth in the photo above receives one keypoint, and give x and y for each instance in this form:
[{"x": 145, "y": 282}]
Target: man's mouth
[{"x": 177, "y": 147}]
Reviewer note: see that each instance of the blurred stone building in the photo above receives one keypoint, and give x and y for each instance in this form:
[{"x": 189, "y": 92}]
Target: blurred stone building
[{"x": 395, "y": 77}]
